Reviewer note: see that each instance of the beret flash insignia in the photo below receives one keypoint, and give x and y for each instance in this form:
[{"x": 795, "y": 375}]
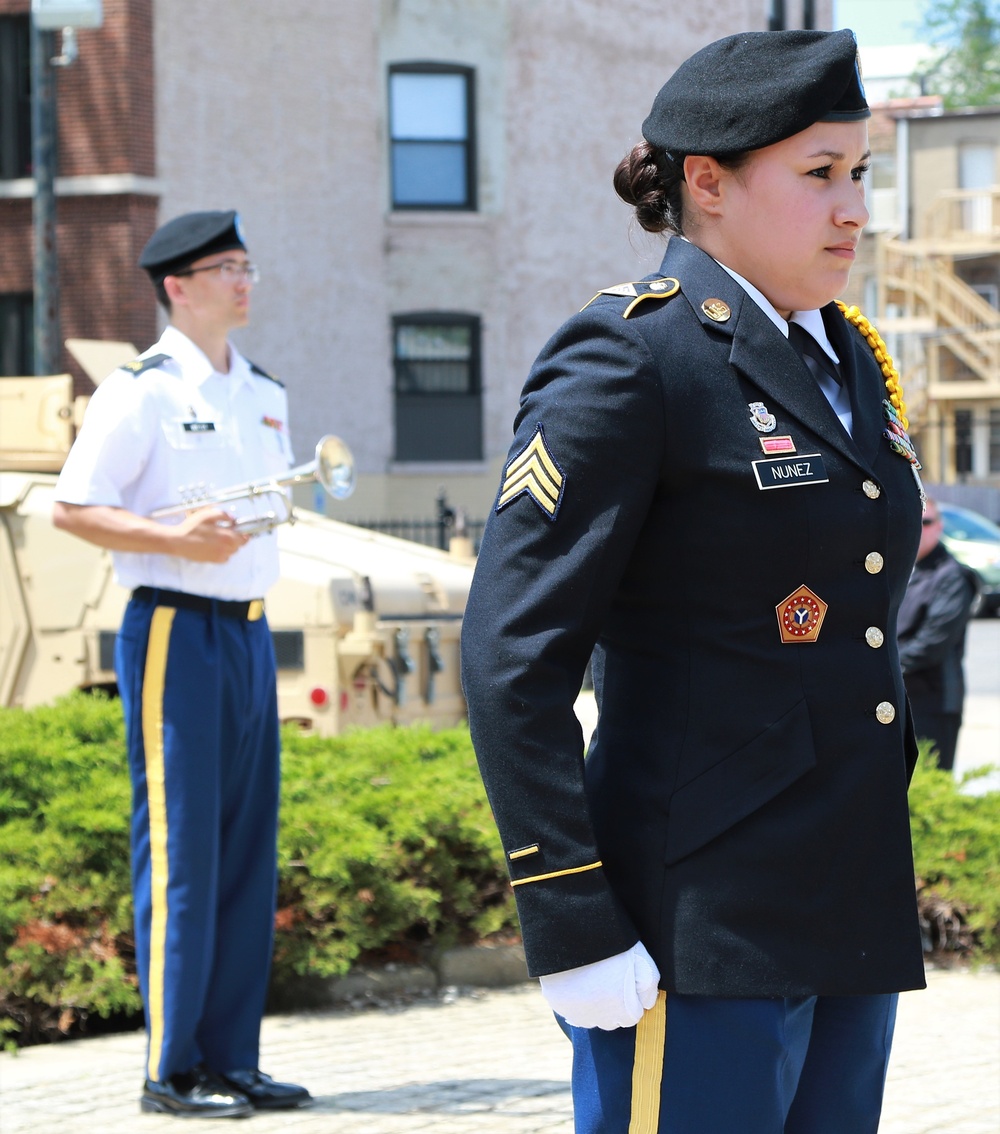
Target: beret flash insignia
[{"x": 533, "y": 472}]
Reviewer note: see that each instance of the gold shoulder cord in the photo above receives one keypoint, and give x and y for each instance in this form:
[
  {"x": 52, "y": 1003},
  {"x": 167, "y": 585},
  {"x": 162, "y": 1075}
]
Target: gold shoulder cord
[{"x": 882, "y": 357}]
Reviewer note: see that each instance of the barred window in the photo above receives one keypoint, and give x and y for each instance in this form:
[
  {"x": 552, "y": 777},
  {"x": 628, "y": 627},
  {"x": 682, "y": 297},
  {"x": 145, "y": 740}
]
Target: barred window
[{"x": 438, "y": 398}]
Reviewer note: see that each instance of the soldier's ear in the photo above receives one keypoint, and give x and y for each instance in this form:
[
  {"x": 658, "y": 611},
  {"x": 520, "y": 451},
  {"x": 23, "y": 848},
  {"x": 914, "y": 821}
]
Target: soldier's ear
[
  {"x": 704, "y": 177},
  {"x": 174, "y": 289}
]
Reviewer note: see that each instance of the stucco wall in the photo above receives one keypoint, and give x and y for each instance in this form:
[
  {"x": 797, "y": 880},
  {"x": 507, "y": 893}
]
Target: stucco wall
[
  {"x": 273, "y": 109},
  {"x": 280, "y": 110}
]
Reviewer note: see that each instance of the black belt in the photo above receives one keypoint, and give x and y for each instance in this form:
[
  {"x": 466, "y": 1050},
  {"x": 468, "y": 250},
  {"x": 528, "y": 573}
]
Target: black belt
[{"x": 248, "y": 611}]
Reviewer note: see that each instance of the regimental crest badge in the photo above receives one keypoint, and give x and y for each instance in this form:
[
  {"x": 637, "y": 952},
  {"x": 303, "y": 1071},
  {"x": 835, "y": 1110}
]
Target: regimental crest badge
[
  {"x": 534, "y": 472},
  {"x": 763, "y": 421},
  {"x": 800, "y": 616}
]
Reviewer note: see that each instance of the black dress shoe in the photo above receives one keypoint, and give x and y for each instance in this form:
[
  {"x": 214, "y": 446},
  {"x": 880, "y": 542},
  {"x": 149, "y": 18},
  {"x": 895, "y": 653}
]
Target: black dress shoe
[
  {"x": 264, "y": 1092},
  {"x": 198, "y": 1093}
]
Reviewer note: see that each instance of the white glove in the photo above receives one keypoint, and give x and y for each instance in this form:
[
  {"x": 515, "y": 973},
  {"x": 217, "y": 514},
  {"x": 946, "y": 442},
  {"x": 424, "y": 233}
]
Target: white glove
[{"x": 608, "y": 994}]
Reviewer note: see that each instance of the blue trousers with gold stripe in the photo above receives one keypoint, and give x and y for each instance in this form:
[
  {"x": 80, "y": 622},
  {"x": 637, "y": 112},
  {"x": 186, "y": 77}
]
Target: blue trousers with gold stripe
[
  {"x": 702, "y": 1065},
  {"x": 198, "y": 691}
]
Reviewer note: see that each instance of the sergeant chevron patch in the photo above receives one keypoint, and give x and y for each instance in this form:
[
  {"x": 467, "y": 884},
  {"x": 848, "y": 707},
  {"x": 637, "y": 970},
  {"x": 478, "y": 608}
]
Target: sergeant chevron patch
[{"x": 533, "y": 472}]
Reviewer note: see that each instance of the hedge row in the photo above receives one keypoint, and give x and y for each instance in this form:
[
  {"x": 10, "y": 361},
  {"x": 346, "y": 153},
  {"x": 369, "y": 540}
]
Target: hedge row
[{"x": 387, "y": 850}]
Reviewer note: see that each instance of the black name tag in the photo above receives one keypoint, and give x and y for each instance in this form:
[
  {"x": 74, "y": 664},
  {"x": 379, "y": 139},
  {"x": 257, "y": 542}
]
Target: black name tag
[
  {"x": 790, "y": 472},
  {"x": 199, "y": 426}
]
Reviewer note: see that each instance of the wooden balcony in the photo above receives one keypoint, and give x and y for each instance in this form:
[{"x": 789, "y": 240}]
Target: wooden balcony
[{"x": 962, "y": 221}]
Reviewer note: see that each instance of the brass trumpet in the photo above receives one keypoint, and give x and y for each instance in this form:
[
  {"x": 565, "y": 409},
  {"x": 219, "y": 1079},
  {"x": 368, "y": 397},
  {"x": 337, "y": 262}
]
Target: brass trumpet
[{"x": 332, "y": 467}]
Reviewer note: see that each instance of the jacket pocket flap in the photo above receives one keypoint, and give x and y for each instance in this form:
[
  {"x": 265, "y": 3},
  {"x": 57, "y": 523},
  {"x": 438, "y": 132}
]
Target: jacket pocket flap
[{"x": 735, "y": 787}]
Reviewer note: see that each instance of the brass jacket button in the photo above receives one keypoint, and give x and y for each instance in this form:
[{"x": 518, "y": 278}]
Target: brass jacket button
[
  {"x": 873, "y": 562},
  {"x": 885, "y": 712},
  {"x": 871, "y": 490},
  {"x": 874, "y": 637}
]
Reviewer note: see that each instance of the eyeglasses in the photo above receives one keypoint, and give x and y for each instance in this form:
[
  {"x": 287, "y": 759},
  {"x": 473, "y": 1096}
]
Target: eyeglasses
[
  {"x": 928, "y": 521},
  {"x": 230, "y": 270}
]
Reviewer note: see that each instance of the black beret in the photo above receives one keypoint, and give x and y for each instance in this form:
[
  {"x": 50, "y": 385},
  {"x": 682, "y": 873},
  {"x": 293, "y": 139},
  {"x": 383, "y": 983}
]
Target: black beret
[
  {"x": 187, "y": 238},
  {"x": 757, "y": 88}
]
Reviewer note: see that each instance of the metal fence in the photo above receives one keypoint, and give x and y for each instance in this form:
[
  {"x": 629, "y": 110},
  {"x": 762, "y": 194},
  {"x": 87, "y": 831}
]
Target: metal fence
[{"x": 434, "y": 533}]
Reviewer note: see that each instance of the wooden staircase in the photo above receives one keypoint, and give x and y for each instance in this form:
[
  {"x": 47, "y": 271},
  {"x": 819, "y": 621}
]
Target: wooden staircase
[{"x": 918, "y": 277}]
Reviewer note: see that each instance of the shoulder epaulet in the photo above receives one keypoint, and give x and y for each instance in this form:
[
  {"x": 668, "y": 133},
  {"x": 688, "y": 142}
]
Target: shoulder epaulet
[
  {"x": 141, "y": 365},
  {"x": 264, "y": 374},
  {"x": 662, "y": 288}
]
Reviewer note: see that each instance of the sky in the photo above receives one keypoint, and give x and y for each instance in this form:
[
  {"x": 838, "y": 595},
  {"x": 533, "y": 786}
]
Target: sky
[{"x": 880, "y": 23}]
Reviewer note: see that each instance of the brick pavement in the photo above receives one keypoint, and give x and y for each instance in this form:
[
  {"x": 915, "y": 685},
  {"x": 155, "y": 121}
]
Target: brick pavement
[{"x": 483, "y": 1063}]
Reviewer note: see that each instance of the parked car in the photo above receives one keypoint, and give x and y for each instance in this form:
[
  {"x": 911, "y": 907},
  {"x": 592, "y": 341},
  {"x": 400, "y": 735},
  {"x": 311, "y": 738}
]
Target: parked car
[{"x": 975, "y": 541}]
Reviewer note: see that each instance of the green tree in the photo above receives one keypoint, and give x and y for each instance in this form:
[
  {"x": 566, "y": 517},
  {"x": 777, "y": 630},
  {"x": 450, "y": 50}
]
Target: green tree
[{"x": 967, "y": 32}]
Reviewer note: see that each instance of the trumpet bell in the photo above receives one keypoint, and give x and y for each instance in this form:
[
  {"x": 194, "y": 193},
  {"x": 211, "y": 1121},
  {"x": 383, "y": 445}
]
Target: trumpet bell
[{"x": 334, "y": 467}]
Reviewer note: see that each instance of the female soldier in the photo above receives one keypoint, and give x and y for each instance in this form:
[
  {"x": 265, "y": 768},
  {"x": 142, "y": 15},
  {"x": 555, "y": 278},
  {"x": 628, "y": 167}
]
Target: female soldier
[{"x": 720, "y": 901}]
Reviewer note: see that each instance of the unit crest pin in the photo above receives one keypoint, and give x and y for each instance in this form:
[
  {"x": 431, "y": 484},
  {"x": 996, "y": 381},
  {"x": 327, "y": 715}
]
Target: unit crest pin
[{"x": 763, "y": 421}]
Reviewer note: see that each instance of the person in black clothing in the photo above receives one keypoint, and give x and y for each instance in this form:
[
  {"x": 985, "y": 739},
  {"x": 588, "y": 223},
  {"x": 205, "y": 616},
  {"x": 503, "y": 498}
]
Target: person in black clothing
[{"x": 931, "y": 631}]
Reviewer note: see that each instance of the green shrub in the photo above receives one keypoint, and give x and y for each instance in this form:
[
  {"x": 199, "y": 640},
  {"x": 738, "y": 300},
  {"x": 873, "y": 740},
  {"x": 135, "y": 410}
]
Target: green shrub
[
  {"x": 66, "y": 948},
  {"x": 956, "y": 857},
  {"x": 386, "y": 843},
  {"x": 387, "y": 850}
]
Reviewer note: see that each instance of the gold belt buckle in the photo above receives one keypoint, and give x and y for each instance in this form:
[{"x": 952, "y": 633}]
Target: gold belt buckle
[{"x": 255, "y": 611}]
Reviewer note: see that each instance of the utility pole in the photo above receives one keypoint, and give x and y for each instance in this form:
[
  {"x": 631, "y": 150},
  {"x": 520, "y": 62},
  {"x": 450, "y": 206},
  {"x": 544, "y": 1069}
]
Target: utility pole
[{"x": 46, "y": 17}]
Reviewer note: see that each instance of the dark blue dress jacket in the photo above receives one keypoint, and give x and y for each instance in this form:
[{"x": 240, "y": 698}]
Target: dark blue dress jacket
[{"x": 742, "y": 808}]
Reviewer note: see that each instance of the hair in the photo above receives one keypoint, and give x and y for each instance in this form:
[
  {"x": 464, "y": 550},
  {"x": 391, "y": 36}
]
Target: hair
[{"x": 650, "y": 179}]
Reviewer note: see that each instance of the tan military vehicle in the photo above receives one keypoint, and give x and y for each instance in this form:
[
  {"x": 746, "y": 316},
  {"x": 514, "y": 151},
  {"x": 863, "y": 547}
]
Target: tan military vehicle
[{"x": 365, "y": 626}]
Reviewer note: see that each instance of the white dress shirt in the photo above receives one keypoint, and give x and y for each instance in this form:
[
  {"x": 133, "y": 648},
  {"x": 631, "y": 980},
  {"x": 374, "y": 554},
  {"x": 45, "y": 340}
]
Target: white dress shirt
[{"x": 178, "y": 430}]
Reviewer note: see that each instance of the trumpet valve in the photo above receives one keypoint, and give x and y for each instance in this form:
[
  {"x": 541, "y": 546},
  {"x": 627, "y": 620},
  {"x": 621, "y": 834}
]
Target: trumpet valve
[{"x": 192, "y": 493}]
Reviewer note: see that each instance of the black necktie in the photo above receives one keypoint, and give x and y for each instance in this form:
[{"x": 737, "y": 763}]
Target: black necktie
[
  {"x": 824, "y": 370},
  {"x": 812, "y": 353}
]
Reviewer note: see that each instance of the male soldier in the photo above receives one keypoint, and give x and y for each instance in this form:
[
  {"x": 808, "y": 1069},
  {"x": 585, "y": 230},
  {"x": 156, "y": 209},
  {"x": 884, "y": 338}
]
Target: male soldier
[{"x": 195, "y": 666}]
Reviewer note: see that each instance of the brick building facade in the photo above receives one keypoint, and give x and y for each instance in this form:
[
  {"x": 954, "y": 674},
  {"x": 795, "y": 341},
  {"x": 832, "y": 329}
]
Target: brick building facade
[{"x": 106, "y": 196}]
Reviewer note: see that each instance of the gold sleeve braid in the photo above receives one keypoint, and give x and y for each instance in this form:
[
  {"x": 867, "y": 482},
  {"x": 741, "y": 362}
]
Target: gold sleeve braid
[{"x": 557, "y": 874}]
